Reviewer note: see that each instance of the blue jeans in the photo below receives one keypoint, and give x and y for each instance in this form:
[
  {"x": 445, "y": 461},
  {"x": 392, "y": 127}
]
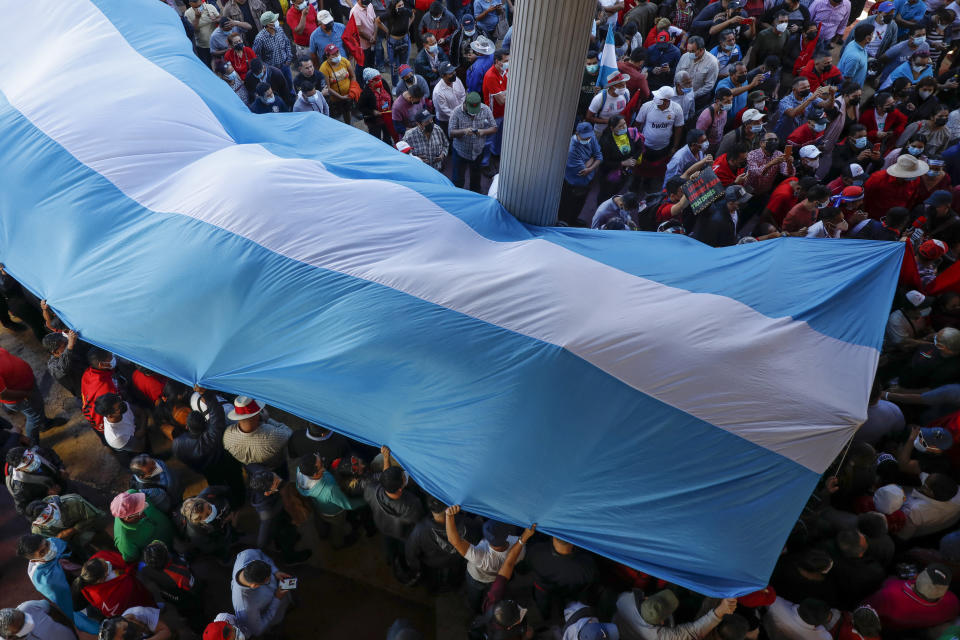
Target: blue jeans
[
  {"x": 378, "y": 58},
  {"x": 32, "y": 409},
  {"x": 398, "y": 53},
  {"x": 460, "y": 164}
]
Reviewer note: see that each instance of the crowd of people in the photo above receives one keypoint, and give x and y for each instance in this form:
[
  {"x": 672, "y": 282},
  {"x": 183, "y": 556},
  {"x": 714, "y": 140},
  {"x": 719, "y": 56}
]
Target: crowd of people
[{"x": 822, "y": 118}]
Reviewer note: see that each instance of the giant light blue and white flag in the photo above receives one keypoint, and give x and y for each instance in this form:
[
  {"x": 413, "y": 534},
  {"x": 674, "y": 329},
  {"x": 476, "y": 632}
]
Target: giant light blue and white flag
[
  {"x": 644, "y": 396},
  {"x": 608, "y": 59}
]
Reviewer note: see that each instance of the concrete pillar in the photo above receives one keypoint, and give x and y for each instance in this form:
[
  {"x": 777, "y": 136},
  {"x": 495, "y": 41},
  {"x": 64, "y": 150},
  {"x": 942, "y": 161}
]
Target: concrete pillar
[{"x": 546, "y": 68}]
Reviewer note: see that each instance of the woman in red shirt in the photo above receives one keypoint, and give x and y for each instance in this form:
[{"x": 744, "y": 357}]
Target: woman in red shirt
[{"x": 239, "y": 55}]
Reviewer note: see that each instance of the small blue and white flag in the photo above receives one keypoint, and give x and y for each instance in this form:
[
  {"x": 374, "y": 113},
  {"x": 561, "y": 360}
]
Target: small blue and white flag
[{"x": 608, "y": 59}]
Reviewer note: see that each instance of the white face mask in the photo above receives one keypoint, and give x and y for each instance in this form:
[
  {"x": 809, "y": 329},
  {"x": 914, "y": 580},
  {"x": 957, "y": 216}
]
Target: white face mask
[
  {"x": 238, "y": 634},
  {"x": 813, "y": 164},
  {"x": 760, "y": 105},
  {"x": 111, "y": 574},
  {"x": 49, "y": 555},
  {"x": 27, "y": 626},
  {"x": 29, "y": 463},
  {"x": 50, "y": 517},
  {"x": 302, "y": 5},
  {"x": 335, "y": 60},
  {"x": 213, "y": 515},
  {"x": 781, "y": 27},
  {"x": 276, "y": 25}
]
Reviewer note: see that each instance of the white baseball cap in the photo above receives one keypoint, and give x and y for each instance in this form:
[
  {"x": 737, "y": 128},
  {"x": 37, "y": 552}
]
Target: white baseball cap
[
  {"x": 324, "y": 17},
  {"x": 664, "y": 93},
  {"x": 809, "y": 151}
]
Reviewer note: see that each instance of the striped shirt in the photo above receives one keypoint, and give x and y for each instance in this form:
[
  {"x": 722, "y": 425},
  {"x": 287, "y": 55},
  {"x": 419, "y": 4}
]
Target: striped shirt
[{"x": 273, "y": 49}]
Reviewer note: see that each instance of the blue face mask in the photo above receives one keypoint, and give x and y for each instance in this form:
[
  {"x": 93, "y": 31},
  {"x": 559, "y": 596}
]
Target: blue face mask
[
  {"x": 860, "y": 143},
  {"x": 583, "y": 141},
  {"x": 686, "y": 89},
  {"x": 593, "y": 68},
  {"x": 914, "y": 151}
]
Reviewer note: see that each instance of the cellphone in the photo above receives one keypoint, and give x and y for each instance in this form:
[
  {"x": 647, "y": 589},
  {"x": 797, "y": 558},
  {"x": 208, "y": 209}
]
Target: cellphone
[
  {"x": 876, "y": 148},
  {"x": 288, "y": 584},
  {"x": 748, "y": 21},
  {"x": 788, "y": 150}
]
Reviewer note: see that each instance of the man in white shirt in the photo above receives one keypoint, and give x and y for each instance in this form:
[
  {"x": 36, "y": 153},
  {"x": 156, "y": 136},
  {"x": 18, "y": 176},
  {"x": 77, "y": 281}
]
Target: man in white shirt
[
  {"x": 483, "y": 560},
  {"x": 830, "y": 225},
  {"x": 448, "y": 94},
  {"x": 703, "y": 69},
  {"x": 609, "y": 102},
  {"x": 809, "y": 620},
  {"x": 136, "y": 622},
  {"x": 31, "y": 621},
  {"x": 933, "y": 507},
  {"x": 660, "y": 120},
  {"x": 120, "y": 428},
  {"x": 640, "y": 618},
  {"x": 580, "y": 622}
]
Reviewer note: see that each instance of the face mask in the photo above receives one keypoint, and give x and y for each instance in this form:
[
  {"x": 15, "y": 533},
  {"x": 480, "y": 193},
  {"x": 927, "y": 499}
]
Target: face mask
[
  {"x": 213, "y": 515},
  {"x": 686, "y": 89},
  {"x": 50, "y": 554},
  {"x": 469, "y": 33},
  {"x": 410, "y": 80},
  {"x": 914, "y": 151},
  {"x": 583, "y": 141},
  {"x": 756, "y": 128},
  {"x": 729, "y": 47},
  {"x": 270, "y": 99},
  {"x": 620, "y": 132},
  {"x": 276, "y": 25},
  {"x": 855, "y": 100},
  {"x": 933, "y": 173},
  {"x": 940, "y": 121},
  {"x": 238, "y": 46},
  {"x": 781, "y": 27},
  {"x": 924, "y": 94},
  {"x": 770, "y": 145},
  {"x": 32, "y": 464},
  {"x": 433, "y": 48},
  {"x": 111, "y": 574},
  {"x": 302, "y": 5},
  {"x": 506, "y": 65},
  {"x": 812, "y": 164},
  {"x": 919, "y": 40},
  {"x": 760, "y": 105},
  {"x": 27, "y": 626},
  {"x": 263, "y": 76},
  {"x": 335, "y": 60},
  {"x": 593, "y": 68},
  {"x": 860, "y": 143},
  {"x": 50, "y": 516},
  {"x": 113, "y": 362},
  {"x": 818, "y": 127},
  {"x": 726, "y": 107},
  {"x": 803, "y": 94},
  {"x": 428, "y": 128},
  {"x": 917, "y": 68}
]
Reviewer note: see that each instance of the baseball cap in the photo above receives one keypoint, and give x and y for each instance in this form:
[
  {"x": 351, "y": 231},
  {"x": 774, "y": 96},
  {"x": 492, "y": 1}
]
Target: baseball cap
[
  {"x": 752, "y": 115},
  {"x": 663, "y": 36},
  {"x": 932, "y": 249},
  {"x": 446, "y": 69},
  {"x": 324, "y": 17},
  {"x": 736, "y": 193},
  {"x": 886, "y": 6},
  {"x": 472, "y": 103},
  {"x": 915, "y": 298},
  {"x": 939, "y": 198},
  {"x": 851, "y": 193},
  {"x": 467, "y": 22},
  {"x": 932, "y": 582},
  {"x": 423, "y": 116},
  {"x": 809, "y": 151},
  {"x": 664, "y": 93},
  {"x": 888, "y": 499},
  {"x": 404, "y": 70},
  {"x": 599, "y": 631},
  {"x": 936, "y": 437},
  {"x": 129, "y": 503},
  {"x": 496, "y": 533},
  {"x": 331, "y": 50},
  {"x": 217, "y": 631},
  {"x": 659, "y": 607}
]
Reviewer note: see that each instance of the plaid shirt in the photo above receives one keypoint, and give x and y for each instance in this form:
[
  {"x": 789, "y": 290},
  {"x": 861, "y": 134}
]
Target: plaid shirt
[
  {"x": 428, "y": 149},
  {"x": 273, "y": 49},
  {"x": 471, "y": 146}
]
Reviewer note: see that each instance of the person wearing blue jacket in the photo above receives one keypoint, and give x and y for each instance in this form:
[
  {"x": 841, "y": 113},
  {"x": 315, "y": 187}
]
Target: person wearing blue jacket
[
  {"x": 48, "y": 578},
  {"x": 583, "y": 160}
]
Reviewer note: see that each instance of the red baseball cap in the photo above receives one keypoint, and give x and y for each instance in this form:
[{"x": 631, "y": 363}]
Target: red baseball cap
[{"x": 217, "y": 631}]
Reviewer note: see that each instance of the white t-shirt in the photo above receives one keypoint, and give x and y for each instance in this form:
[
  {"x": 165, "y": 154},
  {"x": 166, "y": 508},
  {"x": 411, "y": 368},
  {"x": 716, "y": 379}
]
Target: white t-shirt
[
  {"x": 606, "y": 4},
  {"x": 783, "y": 622},
  {"x": 658, "y": 124},
  {"x": 926, "y": 515},
  {"x": 118, "y": 434},
  {"x": 874, "y": 44},
  {"x": 604, "y": 107},
  {"x": 483, "y": 563},
  {"x": 148, "y": 616}
]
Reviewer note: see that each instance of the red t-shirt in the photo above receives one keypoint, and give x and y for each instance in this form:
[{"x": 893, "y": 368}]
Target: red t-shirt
[
  {"x": 93, "y": 384},
  {"x": 15, "y": 374},
  {"x": 113, "y": 597},
  {"x": 798, "y": 218},
  {"x": 241, "y": 64},
  {"x": 782, "y": 200},
  {"x": 900, "y": 608},
  {"x": 151, "y": 386},
  {"x": 663, "y": 213},
  {"x": 493, "y": 83},
  {"x": 802, "y": 135},
  {"x": 721, "y": 168},
  {"x": 293, "y": 20}
]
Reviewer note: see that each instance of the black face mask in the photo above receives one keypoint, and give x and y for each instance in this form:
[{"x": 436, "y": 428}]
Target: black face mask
[
  {"x": 770, "y": 145},
  {"x": 428, "y": 128},
  {"x": 411, "y": 81},
  {"x": 854, "y": 101},
  {"x": 811, "y": 35},
  {"x": 803, "y": 94},
  {"x": 238, "y": 46},
  {"x": 940, "y": 121}
]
